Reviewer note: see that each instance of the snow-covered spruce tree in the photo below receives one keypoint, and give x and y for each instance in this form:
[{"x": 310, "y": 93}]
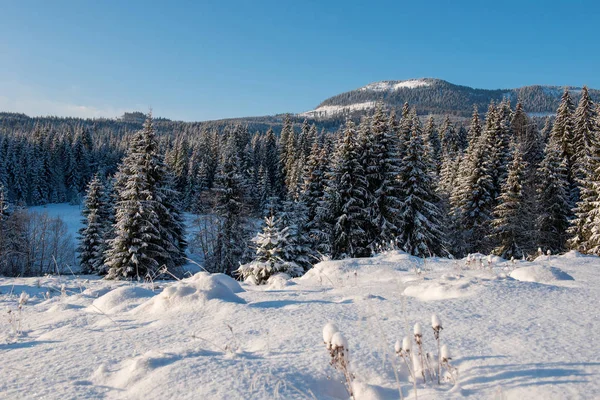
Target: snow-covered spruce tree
[
  {"x": 552, "y": 200},
  {"x": 230, "y": 208},
  {"x": 91, "y": 237},
  {"x": 271, "y": 164},
  {"x": 584, "y": 132},
  {"x": 296, "y": 246},
  {"x": 527, "y": 138},
  {"x": 585, "y": 226},
  {"x": 563, "y": 133},
  {"x": 475, "y": 129},
  {"x": 328, "y": 206},
  {"x": 379, "y": 159},
  {"x": 510, "y": 232},
  {"x": 451, "y": 144},
  {"x": 497, "y": 145},
  {"x": 143, "y": 242},
  {"x": 313, "y": 191},
  {"x": 434, "y": 145},
  {"x": 286, "y": 136},
  {"x": 270, "y": 253},
  {"x": 473, "y": 204},
  {"x": 346, "y": 198},
  {"x": 421, "y": 219}
]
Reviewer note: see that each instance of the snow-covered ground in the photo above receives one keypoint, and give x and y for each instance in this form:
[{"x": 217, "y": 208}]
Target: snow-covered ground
[{"x": 531, "y": 333}]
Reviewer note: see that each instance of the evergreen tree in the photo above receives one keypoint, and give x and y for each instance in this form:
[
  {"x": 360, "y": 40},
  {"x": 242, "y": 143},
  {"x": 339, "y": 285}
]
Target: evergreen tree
[
  {"x": 269, "y": 259},
  {"x": 552, "y": 200},
  {"x": 563, "y": 134},
  {"x": 296, "y": 247},
  {"x": 474, "y": 202},
  {"x": 313, "y": 192},
  {"x": 231, "y": 236},
  {"x": 497, "y": 146},
  {"x": 509, "y": 231},
  {"x": 145, "y": 240},
  {"x": 584, "y": 132},
  {"x": 271, "y": 166},
  {"x": 92, "y": 242},
  {"x": 347, "y": 200},
  {"x": 379, "y": 159},
  {"x": 420, "y": 217},
  {"x": 434, "y": 145},
  {"x": 475, "y": 129}
]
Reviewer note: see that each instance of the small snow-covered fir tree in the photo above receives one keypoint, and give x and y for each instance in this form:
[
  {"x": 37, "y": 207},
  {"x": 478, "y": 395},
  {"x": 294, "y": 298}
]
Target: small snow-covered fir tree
[
  {"x": 92, "y": 236},
  {"x": 297, "y": 244},
  {"x": 270, "y": 255}
]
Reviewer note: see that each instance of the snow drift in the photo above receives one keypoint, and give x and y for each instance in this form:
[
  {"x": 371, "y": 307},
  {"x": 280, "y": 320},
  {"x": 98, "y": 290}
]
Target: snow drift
[
  {"x": 194, "y": 291},
  {"x": 540, "y": 274}
]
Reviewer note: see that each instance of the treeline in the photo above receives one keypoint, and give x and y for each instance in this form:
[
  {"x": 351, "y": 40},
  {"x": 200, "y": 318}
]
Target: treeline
[{"x": 389, "y": 182}]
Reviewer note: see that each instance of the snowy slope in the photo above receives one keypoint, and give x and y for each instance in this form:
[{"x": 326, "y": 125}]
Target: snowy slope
[
  {"x": 329, "y": 111},
  {"x": 534, "y": 336},
  {"x": 395, "y": 85}
]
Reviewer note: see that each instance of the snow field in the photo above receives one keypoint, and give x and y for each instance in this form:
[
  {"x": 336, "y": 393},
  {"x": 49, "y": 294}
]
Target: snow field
[{"x": 211, "y": 337}]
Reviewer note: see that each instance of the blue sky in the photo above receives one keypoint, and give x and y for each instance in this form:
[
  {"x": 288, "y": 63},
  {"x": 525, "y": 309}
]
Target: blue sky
[{"x": 200, "y": 60}]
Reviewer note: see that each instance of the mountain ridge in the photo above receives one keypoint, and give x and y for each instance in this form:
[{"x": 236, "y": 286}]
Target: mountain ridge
[{"x": 437, "y": 96}]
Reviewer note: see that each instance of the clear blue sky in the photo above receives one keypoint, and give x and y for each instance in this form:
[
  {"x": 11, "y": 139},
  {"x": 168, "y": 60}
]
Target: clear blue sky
[{"x": 199, "y": 60}]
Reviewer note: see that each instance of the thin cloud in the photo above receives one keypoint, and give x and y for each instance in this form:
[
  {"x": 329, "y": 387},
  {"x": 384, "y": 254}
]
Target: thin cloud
[{"x": 22, "y": 99}]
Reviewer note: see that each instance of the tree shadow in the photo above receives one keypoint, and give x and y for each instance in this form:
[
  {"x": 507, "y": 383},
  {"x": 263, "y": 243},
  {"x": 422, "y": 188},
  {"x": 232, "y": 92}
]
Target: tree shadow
[
  {"x": 523, "y": 375},
  {"x": 25, "y": 345},
  {"x": 284, "y": 303}
]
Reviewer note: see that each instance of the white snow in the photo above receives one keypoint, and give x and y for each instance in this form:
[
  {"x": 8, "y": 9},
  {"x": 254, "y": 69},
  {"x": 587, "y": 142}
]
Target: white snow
[
  {"x": 385, "y": 86},
  {"x": 328, "y": 331},
  {"x": 540, "y": 274},
  {"x": 208, "y": 337},
  {"x": 328, "y": 111},
  {"x": 436, "y": 322}
]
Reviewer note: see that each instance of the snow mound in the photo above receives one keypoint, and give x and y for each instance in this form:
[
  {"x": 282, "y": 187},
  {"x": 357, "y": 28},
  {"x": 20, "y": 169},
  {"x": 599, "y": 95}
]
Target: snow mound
[
  {"x": 228, "y": 281},
  {"x": 279, "y": 281},
  {"x": 120, "y": 299},
  {"x": 440, "y": 290},
  {"x": 382, "y": 267},
  {"x": 540, "y": 274},
  {"x": 198, "y": 289},
  {"x": 62, "y": 307},
  {"x": 364, "y": 391}
]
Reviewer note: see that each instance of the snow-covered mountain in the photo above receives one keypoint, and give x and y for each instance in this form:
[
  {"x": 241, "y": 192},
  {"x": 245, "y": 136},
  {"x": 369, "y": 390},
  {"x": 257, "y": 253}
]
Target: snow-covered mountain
[{"x": 436, "y": 96}]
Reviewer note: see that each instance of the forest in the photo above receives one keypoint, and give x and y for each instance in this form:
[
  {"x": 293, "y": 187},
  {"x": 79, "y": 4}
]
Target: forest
[{"x": 268, "y": 202}]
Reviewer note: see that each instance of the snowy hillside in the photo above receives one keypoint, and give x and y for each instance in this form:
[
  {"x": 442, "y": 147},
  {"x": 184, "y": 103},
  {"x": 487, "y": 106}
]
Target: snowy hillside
[
  {"x": 330, "y": 111},
  {"x": 395, "y": 85},
  {"x": 533, "y": 336}
]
